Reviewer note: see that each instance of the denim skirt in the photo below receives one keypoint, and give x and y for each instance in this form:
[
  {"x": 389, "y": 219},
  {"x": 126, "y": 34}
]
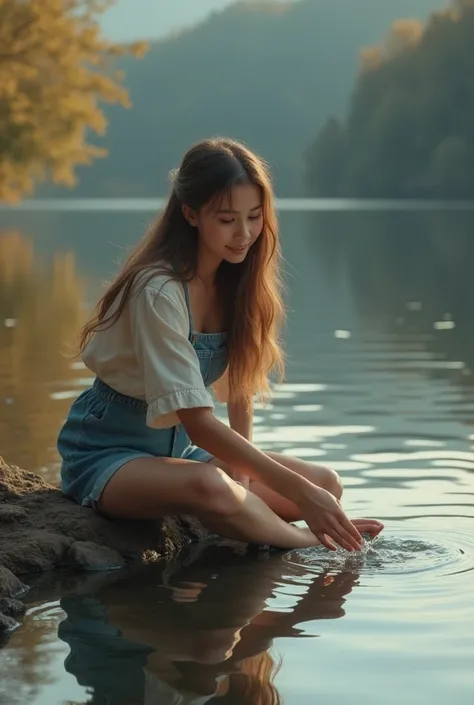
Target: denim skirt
[{"x": 106, "y": 429}]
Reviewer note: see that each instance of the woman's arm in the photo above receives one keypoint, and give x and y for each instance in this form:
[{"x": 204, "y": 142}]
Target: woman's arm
[
  {"x": 321, "y": 511},
  {"x": 207, "y": 432},
  {"x": 241, "y": 421},
  {"x": 241, "y": 418}
]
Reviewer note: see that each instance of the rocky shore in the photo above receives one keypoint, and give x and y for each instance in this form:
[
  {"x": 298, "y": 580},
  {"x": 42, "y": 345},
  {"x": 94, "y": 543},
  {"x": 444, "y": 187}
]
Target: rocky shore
[{"x": 40, "y": 530}]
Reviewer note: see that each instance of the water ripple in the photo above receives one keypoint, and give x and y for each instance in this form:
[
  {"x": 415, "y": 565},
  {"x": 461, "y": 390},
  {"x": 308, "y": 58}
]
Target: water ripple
[{"x": 406, "y": 552}]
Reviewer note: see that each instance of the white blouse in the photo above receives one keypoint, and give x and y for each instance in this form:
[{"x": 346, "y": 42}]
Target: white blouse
[{"x": 147, "y": 354}]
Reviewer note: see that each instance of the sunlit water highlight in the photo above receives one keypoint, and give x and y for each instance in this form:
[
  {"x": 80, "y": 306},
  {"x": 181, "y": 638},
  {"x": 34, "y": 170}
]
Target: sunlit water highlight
[{"x": 379, "y": 387}]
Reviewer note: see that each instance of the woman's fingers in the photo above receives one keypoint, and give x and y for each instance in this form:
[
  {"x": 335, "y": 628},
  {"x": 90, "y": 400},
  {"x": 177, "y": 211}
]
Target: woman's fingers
[
  {"x": 342, "y": 542},
  {"x": 337, "y": 535},
  {"x": 348, "y": 526},
  {"x": 348, "y": 537},
  {"x": 369, "y": 526},
  {"x": 340, "y": 531},
  {"x": 325, "y": 541},
  {"x": 344, "y": 528}
]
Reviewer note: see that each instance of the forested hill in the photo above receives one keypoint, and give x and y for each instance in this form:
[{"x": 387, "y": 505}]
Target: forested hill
[
  {"x": 269, "y": 73},
  {"x": 410, "y": 129}
]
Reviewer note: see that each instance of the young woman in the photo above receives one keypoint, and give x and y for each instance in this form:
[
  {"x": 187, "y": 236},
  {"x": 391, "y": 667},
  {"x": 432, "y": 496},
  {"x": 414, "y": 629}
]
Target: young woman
[{"x": 197, "y": 304}]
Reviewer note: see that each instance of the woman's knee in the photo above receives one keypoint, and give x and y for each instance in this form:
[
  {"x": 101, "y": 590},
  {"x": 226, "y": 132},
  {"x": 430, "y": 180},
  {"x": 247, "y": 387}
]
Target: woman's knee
[
  {"x": 215, "y": 492},
  {"x": 330, "y": 480},
  {"x": 319, "y": 475}
]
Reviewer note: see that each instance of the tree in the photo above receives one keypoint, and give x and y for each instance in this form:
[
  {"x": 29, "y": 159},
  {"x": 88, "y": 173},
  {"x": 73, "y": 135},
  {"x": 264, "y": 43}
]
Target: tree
[
  {"x": 409, "y": 130},
  {"x": 55, "y": 68},
  {"x": 273, "y": 96},
  {"x": 402, "y": 36},
  {"x": 451, "y": 167},
  {"x": 326, "y": 159}
]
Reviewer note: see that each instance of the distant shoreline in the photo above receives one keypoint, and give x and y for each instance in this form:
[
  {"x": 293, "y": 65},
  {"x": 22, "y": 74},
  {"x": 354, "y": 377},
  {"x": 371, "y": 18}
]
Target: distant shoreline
[{"x": 283, "y": 204}]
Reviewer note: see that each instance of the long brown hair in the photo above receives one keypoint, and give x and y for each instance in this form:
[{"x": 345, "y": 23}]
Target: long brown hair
[
  {"x": 253, "y": 683},
  {"x": 251, "y": 290}
]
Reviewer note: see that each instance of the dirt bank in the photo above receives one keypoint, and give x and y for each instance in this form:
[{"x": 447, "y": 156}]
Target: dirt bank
[{"x": 40, "y": 530}]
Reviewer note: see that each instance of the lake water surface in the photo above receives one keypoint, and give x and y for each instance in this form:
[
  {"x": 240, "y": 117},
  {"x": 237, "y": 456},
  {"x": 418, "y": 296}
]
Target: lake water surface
[{"x": 380, "y": 385}]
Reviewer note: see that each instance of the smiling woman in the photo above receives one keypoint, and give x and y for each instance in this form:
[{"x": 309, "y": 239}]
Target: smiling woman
[
  {"x": 227, "y": 229},
  {"x": 197, "y": 305}
]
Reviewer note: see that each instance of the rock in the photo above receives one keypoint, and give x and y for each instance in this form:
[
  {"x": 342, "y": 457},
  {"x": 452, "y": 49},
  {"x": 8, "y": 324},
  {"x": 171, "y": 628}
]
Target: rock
[
  {"x": 10, "y": 585},
  {"x": 15, "y": 483},
  {"x": 90, "y": 556},
  {"x": 40, "y": 550},
  {"x": 7, "y": 624},
  {"x": 11, "y": 608},
  {"x": 8, "y": 513},
  {"x": 41, "y": 529}
]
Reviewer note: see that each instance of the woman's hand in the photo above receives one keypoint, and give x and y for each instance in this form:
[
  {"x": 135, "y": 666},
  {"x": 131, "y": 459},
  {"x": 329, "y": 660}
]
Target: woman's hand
[
  {"x": 368, "y": 526},
  {"x": 324, "y": 515}
]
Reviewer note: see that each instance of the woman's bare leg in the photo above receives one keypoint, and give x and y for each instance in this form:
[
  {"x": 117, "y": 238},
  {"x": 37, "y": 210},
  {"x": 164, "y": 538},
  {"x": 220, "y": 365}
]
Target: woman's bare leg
[
  {"x": 148, "y": 488},
  {"x": 319, "y": 475}
]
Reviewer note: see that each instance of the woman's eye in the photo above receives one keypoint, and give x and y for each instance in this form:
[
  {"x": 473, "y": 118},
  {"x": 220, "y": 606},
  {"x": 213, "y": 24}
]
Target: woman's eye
[
  {"x": 226, "y": 222},
  {"x": 255, "y": 217}
]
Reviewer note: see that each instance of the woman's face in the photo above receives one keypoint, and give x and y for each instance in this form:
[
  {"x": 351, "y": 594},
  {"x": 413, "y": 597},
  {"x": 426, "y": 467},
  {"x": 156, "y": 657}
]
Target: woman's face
[{"x": 228, "y": 232}]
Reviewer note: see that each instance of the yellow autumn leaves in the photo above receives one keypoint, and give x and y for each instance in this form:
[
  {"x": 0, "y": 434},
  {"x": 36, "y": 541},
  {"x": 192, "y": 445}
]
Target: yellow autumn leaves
[{"x": 55, "y": 70}]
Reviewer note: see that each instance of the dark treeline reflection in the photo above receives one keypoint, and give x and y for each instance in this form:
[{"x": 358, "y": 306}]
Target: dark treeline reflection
[
  {"x": 202, "y": 635},
  {"x": 407, "y": 273},
  {"x": 40, "y": 314}
]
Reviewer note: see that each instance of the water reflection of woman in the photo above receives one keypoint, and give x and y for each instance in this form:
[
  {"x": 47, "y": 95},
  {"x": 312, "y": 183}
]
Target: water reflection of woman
[{"x": 206, "y": 636}]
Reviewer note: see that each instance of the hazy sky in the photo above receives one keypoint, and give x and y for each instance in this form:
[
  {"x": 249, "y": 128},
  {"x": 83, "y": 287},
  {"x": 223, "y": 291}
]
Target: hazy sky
[{"x": 134, "y": 19}]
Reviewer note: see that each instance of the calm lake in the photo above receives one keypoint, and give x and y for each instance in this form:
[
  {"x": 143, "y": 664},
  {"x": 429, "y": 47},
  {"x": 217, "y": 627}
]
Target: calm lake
[{"x": 380, "y": 385}]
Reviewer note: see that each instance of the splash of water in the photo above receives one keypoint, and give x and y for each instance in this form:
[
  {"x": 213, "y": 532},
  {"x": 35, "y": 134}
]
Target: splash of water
[{"x": 405, "y": 553}]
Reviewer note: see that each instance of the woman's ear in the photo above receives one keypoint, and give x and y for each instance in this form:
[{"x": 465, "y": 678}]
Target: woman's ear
[{"x": 190, "y": 216}]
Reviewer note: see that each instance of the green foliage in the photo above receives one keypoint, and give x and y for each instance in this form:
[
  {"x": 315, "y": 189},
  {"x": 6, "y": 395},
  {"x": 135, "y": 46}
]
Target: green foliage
[
  {"x": 410, "y": 128},
  {"x": 327, "y": 157}
]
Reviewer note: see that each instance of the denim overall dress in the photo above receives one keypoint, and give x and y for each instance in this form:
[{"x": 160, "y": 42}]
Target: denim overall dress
[{"x": 105, "y": 429}]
